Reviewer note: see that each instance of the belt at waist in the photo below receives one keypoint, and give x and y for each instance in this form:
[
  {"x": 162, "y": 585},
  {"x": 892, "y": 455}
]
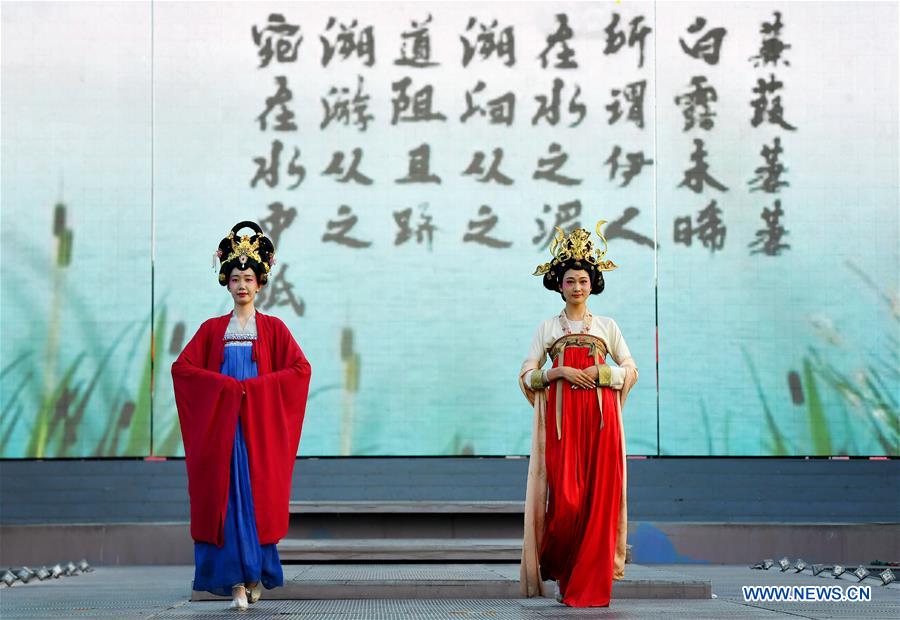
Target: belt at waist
[{"x": 595, "y": 343}]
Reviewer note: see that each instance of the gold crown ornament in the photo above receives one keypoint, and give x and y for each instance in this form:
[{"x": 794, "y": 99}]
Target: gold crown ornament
[
  {"x": 576, "y": 247},
  {"x": 245, "y": 249},
  {"x": 237, "y": 250}
]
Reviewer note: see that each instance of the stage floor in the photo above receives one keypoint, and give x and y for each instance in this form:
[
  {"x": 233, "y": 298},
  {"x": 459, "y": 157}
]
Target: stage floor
[
  {"x": 161, "y": 593},
  {"x": 455, "y": 581}
]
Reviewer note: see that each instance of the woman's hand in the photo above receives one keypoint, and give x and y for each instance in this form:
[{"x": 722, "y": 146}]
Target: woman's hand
[{"x": 578, "y": 378}]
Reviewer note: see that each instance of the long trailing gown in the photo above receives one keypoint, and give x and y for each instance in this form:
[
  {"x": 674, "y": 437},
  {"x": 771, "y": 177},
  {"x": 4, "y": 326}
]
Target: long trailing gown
[
  {"x": 576, "y": 518},
  {"x": 241, "y": 394},
  {"x": 241, "y": 559}
]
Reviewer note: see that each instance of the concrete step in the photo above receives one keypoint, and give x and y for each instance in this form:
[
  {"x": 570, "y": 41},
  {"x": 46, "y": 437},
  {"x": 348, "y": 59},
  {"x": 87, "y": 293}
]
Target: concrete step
[
  {"x": 407, "y": 507},
  {"x": 455, "y": 581},
  {"x": 400, "y": 549}
]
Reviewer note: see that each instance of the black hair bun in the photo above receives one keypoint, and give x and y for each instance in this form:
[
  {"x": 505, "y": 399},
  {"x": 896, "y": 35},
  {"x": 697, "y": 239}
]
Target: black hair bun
[{"x": 254, "y": 252}]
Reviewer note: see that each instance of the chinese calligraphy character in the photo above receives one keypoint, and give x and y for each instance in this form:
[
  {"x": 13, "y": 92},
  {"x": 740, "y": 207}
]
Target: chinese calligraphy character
[
  {"x": 479, "y": 229},
  {"x": 285, "y": 117},
  {"x": 268, "y": 173},
  {"x": 709, "y": 229},
  {"x": 615, "y": 39},
  {"x": 768, "y": 177},
  {"x": 278, "y": 220},
  {"x": 280, "y": 293},
  {"x": 419, "y": 167},
  {"x": 617, "y": 229},
  {"x": 698, "y": 175},
  {"x": 634, "y": 95},
  {"x": 566, "y": 218},
  {"x": 415, "y": 51},
  {"x": 337, "y": 107},
  {"x": 424, "y": 228},
  {"x": 548, "y": 107},
  {"x": 772, "y": 47},
  {"x": 486, "y": 42},
  {"x": 282, "y": 33},
  {"x": 775, "y": 113},
  {"x": 566, "y": 56},
  {"x": 421, "y": 103},
  {"x": 338, "y": 229},
  {"x": 336, "y": 167},
  {"x": 700, "y": 97},
  {"x": 707, "y": 46},
  {"x": 636, "y": 162},
  {"x": 769, "y": 238},
  {"x": 552, "y": 165},
  {"x": 501, "y": 110},
  {"x": 346, "y": 41},
  {"x": 493, "y": 173}
]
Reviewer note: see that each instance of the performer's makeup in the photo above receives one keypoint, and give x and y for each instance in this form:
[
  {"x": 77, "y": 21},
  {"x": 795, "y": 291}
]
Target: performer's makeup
[
  {"x": 576, "y": 285},
  {"x": 243, "y": 286}
]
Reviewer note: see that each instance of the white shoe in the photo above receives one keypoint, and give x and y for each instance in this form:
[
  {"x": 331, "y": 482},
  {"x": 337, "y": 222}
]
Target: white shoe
[
  {"x": 254, "y": 592},
  {"x": 238, "y": 598}
]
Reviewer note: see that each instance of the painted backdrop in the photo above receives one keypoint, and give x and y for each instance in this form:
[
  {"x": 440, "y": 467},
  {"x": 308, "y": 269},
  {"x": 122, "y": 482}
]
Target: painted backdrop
[{"x": 410, "y": 162}]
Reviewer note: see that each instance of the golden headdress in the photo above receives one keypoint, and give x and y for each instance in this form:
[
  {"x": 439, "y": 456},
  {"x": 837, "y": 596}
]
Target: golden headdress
[
  {"x": 247, "y": 251},
  {"x": 574, "y": 251}
]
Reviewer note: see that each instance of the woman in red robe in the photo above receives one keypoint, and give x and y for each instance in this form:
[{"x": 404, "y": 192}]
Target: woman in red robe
[
  {"x": 575, "y": 513},
  {"x": 241, "y": 385}
]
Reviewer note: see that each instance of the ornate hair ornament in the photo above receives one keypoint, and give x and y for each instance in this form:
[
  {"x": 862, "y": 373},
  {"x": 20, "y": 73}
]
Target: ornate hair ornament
[
  {"x": 578, "y": 247},
  {"x": 245, "y": 251}
]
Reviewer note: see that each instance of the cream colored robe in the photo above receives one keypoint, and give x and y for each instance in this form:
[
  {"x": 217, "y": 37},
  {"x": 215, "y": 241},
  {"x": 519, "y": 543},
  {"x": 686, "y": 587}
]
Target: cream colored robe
[{"x": 531, "y": 583}]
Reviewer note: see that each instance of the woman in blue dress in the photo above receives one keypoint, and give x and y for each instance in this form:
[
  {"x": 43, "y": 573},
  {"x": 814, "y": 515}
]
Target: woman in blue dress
[{"x": 246, "y": 347}]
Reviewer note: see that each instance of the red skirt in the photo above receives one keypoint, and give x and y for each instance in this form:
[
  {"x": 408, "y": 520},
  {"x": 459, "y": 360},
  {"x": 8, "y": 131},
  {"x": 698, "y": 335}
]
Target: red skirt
[{"x": 584, "y": 479}]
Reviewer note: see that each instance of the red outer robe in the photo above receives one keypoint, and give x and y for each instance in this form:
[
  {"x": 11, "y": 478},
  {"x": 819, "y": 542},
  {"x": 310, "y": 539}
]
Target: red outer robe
[{"x": 271, "y": 415}]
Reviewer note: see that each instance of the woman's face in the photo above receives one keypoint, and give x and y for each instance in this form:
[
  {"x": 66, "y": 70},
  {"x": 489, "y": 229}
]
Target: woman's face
[
  {"x": 243, "y": 286},
  {"x": 576, "y": 286}
]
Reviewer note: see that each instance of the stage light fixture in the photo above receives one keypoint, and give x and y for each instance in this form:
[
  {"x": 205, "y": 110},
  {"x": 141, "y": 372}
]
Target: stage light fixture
[{"x": 24, "y": 574}]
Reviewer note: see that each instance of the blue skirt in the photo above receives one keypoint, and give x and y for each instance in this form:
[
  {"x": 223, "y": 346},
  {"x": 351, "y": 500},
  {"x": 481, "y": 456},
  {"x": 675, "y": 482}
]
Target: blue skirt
[{"x": 241, "y": 559}]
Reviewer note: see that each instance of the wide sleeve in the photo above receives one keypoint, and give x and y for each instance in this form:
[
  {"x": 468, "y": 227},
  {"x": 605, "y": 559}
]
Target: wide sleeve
[
  {"x": 534, "y": 361},
  {"x": 208, "y": 403},
  {"x": 621, "y": 354},
  {"x": 272, "y": 419},
  {"x": 618, "y": 348}
]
